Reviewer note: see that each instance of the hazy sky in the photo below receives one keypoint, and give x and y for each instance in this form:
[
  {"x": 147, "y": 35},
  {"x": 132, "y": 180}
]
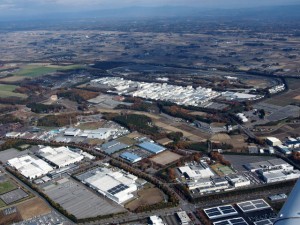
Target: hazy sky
[{"x": 32, "y": 7}]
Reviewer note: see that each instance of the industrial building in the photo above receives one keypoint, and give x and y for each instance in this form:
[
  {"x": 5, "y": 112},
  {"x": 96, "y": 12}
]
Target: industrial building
[
  {"x": 114, "y": 184},
  {"x": 112, "y": 147},
  {"x": 155, "y": 220},
  {"x": 242, "y": 117},
  {"x": 233, "y": 221},
  {"x": 220, "y": 212},
  {"x": 280, "y": 175},
  {"x": 183, "y": 217},
  {"x": 272, "y": 141},
  {"x": 238, "y": 180},
  {"x": 253, "y": 205},
  {"x": 152, "y": 147},
  {"x": 194, "y": 171},
  {"x": 60, "y": 157},
  {"x": 133, "y": 158},
  {"x": 173, "y": 93},
  {"x": 30, "y": 167},
  {"x": 273, "y": 164},
  {"x": 229, "y": 95},
  {"x": 208, "y": 185}
]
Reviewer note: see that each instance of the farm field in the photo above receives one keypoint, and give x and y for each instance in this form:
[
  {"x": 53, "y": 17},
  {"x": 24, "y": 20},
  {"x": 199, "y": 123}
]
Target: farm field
[
  {"x": 36, "y": 70},
  {"x": 149, "y": 196},
  {"x": 8, "y": 91}
]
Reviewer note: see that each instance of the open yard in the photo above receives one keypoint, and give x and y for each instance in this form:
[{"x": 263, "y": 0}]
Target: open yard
[
  {"x": 6, "y": 186},
  {"x": 33, "y": 207},
  {"x": 147, "y": 196},
  {"x": 165, "y": 158},
  {"x": 8, "y": 91}
]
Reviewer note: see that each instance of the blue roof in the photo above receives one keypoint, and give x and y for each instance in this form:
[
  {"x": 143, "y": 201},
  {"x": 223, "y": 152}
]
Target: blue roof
[
  {"x": 152, "y": 147},
  {"x": 113, "y": 146},
  {"x": 130, "y": 156}
]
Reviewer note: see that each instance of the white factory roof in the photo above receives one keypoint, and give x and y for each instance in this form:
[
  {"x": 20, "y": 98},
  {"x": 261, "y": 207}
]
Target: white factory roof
[
  {"x": 196, "y": 171},
  {"x": 61, "y": 156},
  {"x": 30, "y": 167},
  {"x": 116, "y": 185}
]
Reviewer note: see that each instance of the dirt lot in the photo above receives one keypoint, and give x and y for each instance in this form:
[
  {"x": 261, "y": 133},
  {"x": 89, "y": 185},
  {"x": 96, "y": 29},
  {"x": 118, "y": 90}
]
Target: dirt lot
[
  {"x": 147, "y": 196},
  {"x": 237, "y": 141},
  {"x": 220, "y": 137},
  {"x": 9, "y": 219},
  {"x": 33, "y": 207},
  {"x": 165, "y": 158}
]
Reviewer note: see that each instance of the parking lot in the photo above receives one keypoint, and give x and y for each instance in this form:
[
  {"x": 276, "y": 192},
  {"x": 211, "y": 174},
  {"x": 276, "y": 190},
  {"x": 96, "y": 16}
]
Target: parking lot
[
  {"x": 52, "y": 218},
  {"x": 79, "y": 200}
]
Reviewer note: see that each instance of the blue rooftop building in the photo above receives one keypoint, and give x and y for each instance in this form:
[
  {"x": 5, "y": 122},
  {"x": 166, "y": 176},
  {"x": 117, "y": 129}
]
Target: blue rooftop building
[
  {"x": 152, "y": 147},
  {"x": 133, "y": 158}
]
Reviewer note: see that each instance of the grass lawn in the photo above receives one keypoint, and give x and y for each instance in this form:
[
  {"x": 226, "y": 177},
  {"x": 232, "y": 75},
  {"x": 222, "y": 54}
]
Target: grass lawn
[
  {"x": 7, "y": 91},
  {"x": 222, "y": 170},
  {"x": 2, "y": 204},
  {"x": 7, "y": 186},
  {"x": 33, "y": 70}
]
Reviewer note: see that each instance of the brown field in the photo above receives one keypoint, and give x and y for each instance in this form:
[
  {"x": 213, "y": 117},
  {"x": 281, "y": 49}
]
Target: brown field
[
  {"x": 134, "y": 134},
  {"x": 147, "y": 196},
  {"x": 12, "y": 79},
  {"x": 32, "y": 208},
  {"x": 196, "y": 113},
  {"x": 237, "y": 141},
  {"x": 10, "y": 219},
  {"x": 90, "y": 125},
  {"x": 126, "y": 140},
  {"x": 165, "y": 158},
  {"x": 292, "y": 96},
  {"x": 220, "y": 137},
  {"x": 297, "y": 97}
]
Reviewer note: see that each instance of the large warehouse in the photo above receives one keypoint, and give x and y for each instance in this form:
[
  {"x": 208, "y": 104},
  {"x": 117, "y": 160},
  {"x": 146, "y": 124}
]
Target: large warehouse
[
  {"x": 116, "y": 185},
  {"x": 30, "y": 167},
  {"x": 61, "y": 156},
  {"x": 152, "y": 147}
]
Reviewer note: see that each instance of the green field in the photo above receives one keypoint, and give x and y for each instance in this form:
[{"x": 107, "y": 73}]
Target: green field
[
  {"x": 2, "y": 204},
  {"x": 7, "y": 186},
  {"x": 8, "y": 91},
  {"x": 39, "y": 70},
  {"x": 222, "y": 170}
]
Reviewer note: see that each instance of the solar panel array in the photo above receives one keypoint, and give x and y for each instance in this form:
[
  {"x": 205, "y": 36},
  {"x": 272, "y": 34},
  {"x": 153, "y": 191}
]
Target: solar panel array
[
  {"x": 220, "y": 211},
  {"x": 232, "y": 221},
  {"x": 264, "y": 222},
  {"x": 117, "y": 189},
  {"x": 253, "y": 205}
]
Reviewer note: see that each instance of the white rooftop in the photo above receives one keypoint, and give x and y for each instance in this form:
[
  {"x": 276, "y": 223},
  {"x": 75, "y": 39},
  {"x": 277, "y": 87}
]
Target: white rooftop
[
  {"x": 61, "y": 156},
  {"x": 30, "y": 167}
]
